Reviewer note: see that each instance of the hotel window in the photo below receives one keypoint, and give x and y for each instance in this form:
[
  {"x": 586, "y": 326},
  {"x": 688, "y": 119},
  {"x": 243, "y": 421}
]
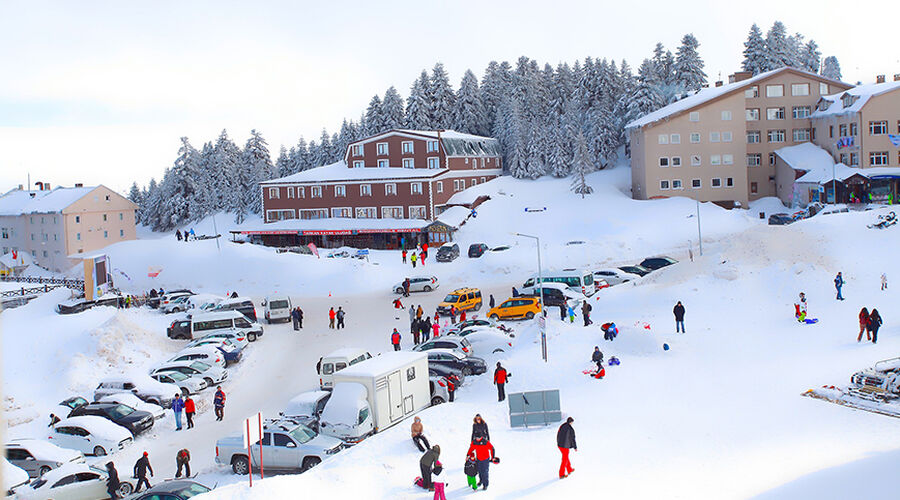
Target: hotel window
[
  {"x": 381, "y": 148},
  {"x": 273, "y": 193},
  {"x": 474, "y": 182},
  {"x": 696, "y": 184},
  {"x": 434, "y": 162},
  {"x": 121, "y": 233},
  {"x": 823, "y": 88},
  {"x": 831, "y": 131},
  {"x": 105, "y": 235},
  {"x": 729, "y": 182},
  {"x": 358, "y": 164},
  {"x": 439, "y": 186},
  {"x": 78, "y": 236},
  {"x": 854, "y": 129},
  {"x": 383, "y": 164},
  {"x": 77, "y": 219},
  {"x": 799, "y": 112},
  {"x": 715, "y": 182},
  {"x": 878, "y": 159},
  {"x": 431, "y": 146},
  {"x": 301, "y": 192},
  {"x": 695, "y": 160},
  {"x": 290, "y": 192},
  {"x": 390, "y": 189},
  {"x": 878, "y": 128},
  {"x": 315, "y": 192},
  {"x": 366, "y": 213},
  {"x": 801, "y": 134},
  {"x": 726, "y": 137},
  {"x": 343, "y": 212},
  {"x": 754, "y": 159},
  {"x": 726, "y": 115},
  {"x": 406, "y": 147},
  {"x": 854, "y": 159},
  {"x": 694, "y": 116},
  {"x": 713, "y": 137},
  {"x": 365, "y": 190},
  {"x": 391, "y": 212},
  {"x": 415, "y": 188},
  {"x": 675, "y": 139},
  {"x": 753, "y": 137},
  {"x": 459, "y": 184},
  {"x": 799, "y": 89},
  {"x": 715, "y": 159},
  {"x": 695, "y": 138},
  {"x": 663, "y": 161},
  {"x": 752, "y": 92},
  {"x": 417, "y": 212},
  {"x": 842, "y": 130},
  {"x": 772, "y": 158},
  {"x": 663, "y": 139},
  {"x": 775, "y": 113},
  {"x": 676, "y": 184},
  {"x": 340, "y": 191},
  {"x": 408, "y": 163},
  {"x": 664, "y": 185},
  {"x": 727, "y": 159},
  {"x": 774, "y": 90},
  {"x": 357, "y": 150},
  {"x": 675, "y": 161},
  {"x": 752, "y": 114},
  {"x": 104, "y": 219},
  {"x": 844, "y": 158},
  {"x": 776, "y": 136}
]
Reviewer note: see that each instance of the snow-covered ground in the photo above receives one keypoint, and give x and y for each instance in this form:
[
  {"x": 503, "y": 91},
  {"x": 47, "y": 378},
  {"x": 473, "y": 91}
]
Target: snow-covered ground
[{"x": 719, "y": 415}]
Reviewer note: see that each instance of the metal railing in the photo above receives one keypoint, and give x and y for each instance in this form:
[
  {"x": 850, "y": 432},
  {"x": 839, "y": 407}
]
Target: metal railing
[{"x": 74, "y": 284}]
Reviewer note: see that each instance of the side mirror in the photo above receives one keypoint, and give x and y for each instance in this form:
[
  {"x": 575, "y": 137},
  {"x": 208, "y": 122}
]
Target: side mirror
[{"x": 291, "y": 445}]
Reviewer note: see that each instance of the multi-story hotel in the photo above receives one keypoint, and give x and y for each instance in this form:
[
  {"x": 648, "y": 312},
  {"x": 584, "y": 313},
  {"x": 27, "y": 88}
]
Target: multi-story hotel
[{"x": 719, "y": 144}]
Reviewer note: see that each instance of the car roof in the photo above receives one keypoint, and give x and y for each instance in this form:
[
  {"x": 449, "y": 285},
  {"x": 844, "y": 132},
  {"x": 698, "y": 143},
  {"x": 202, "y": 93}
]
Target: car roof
[
  {"x": 235, "y": 300},
  {"x": 54, "y": 475},
  {"x": 42, "y": 448},
  {"x": 214, "y": 315},
  {"x": 175, "y": 364},
  {"x": 92, "y": 423},
  {"x": 346, "y": 352},
  {"x": 172, "y": 485},
  {"x": 454, "y": 352},
  {"x": 466, "y": 290}
]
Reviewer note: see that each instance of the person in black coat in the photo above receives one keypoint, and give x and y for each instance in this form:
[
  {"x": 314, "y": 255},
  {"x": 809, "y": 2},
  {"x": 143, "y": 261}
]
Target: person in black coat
[
  {"x": 480, "y": 428},
  {"x": 597, "y": 357},
  {"x": 491, "y": 302},
  {"x": 112, "y": 481},
  {"x": 565, "y": 441},
  {"x": 874, "y": 324},
  {"x": 679, "y": 317},
  {"x": 426, "y": 464},
  {"x": 140, "y": 472}
]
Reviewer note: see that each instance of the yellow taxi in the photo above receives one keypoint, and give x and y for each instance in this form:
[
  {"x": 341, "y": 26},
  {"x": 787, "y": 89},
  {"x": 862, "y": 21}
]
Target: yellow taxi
[
  {"x": 463, "y": 299},
  {"x": 516, "y": 307}
]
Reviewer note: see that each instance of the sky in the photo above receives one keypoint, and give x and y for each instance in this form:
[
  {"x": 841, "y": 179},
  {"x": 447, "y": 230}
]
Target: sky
[{"x": 100, "y": 92}]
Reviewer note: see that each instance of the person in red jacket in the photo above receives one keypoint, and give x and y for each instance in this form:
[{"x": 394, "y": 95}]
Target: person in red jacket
[
  {"x": 331, "y": 316},
  {"x": 462, "y": 316},
  {"x": 500, "y": 377},
  {"x": 189, "y": 410},
  {"x": 483, "y": 451},
  {"x": 395, "y": 339}
]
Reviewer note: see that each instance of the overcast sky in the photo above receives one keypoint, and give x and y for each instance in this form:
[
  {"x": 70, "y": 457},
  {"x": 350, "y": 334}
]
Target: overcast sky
[{"x": 100, "y": 92}]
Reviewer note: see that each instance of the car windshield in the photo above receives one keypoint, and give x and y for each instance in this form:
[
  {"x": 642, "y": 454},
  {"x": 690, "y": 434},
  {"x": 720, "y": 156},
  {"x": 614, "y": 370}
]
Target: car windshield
[
  {"x": 177, "y": 376},
  {"x": 302, "y": 434},
  {"x": 191, "y": 490},
  {"x": 120, "y": 411},
  {"x": 278, "y": 304},
  {"x": 452, "y": 298},
  {"x": 200, "y": 366}
]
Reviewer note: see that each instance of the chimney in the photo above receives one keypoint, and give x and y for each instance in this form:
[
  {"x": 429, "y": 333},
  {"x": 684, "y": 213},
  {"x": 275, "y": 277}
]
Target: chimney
[
  {"x": 879, "y": 79},
  {"x": 739, "y": 76},
  {"x": 897, "y": 77},
  {"x": 719, "y": 83},
  {"x": 79, "y": 185}
]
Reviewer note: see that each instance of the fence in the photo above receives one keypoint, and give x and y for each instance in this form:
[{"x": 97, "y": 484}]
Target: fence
[
  {"x": 69, "y": 283},
  {"x": 534, "y": 408}
]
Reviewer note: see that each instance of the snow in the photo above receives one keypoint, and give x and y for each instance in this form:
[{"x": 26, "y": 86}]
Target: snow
[
  {"x": 806, "y": 156},
  {"x": 448, "y": 134},
  {"x": 304, "y": 404},
  {"x": 823, "y": 174},
  {"x": 339, "y": 171},
  {"x": 346, "y": 400},
  {"x": 335, "y": 224},
  {"x": 863, "y": 94},
  {"x": 97, "y": 426},
  {"x": 455, "y": 216},
  {"x": 12, "y": 476},
  {"x": 56, "y": 200},
  {"x": 381, "y": 365},
  {"x": 48, "y": 451}
]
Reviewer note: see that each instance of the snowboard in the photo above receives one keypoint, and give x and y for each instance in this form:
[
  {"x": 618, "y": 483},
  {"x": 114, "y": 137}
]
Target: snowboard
[{"x": 811, "y": 321}]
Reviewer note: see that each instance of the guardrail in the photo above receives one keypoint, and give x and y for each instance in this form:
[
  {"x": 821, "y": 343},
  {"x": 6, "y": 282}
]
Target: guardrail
[
  {"x": 26, "y": 292},
  {"x": 74, "y": 284}
]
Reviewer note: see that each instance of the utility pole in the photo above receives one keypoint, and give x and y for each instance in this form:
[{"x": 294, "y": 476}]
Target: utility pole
[{"x": 542, "y": 319}]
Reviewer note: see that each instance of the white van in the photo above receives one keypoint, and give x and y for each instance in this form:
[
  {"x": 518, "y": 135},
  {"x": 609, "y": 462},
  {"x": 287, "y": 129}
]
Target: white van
[
  {"x": 336, "y": 361},
  {"x": 580, "y": 280},
  {"x": 204, "y": 324},
  {"x": 278, "y": 308}
]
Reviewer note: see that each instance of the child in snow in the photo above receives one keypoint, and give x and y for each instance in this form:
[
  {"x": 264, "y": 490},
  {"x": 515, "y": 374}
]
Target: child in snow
[
  {"x": 883, "y": 281},
  {"x": 471, "y": 470},
  {"x": 800, "y": 308},
  {"x": 571, "y": 314}
]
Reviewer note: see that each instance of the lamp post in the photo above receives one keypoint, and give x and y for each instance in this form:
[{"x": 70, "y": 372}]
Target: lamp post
[
  {"x": 542, "y": 319},
  {"x": 699, "y": 235}
]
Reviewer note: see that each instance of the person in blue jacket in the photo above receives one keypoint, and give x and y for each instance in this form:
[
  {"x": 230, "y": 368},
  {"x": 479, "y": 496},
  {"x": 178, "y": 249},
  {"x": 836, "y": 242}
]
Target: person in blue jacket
[{"x": 838, "y": 283}]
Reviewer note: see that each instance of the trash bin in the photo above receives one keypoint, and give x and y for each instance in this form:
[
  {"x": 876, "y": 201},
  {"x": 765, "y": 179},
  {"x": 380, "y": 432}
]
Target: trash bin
[{"x": 762, "y": 215}]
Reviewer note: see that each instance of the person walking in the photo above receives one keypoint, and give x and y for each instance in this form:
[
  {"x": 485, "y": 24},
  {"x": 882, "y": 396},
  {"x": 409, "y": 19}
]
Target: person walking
[
  {"x": 565, "y": 441},
  {"x": 491, "y": 301},
  {"x": 419, "y": 312},
  {"x": 395, "y": 339},
  {"x": 406, "y": 284},
  {"x": 178, "y": 234},
  {"x": 140, "y": 471},
  {"x": 436, "y": 329},
  {"x": 189, "y": 410},
  {"x": 471, "y": 470},
  {"x": 300, "y": 317},
  {"x": 874, "y": 324},
  {"x": 412, "y": 258},
  {"x": 112, "y": 481},
  {"x": 571, "y": 313},
  {"x": 418, "y": 436},
  {"x": 678, "y": 311},
  {"x": 452, "y": 314},
  {"x": 426, "y": 465},
  {"x": 515, "y": 293},
  {"x": 193, "y": 236},
  {"x": 562, "y": 311},
  {"x": 331, "y": 316},
  {"x": 183, "y": 459},
  {"x": 340, "y": 317},
  {"x": 177, "y": 408},
  {"x": 483, "y": 451},
  {"x": 452, "y": 384},
  {"x": 462, "y": 316},
  {"x": 422, "y": 259},
  {"x": 838, "y": 283},
  {"x": 864, "y": 325},
  {"x": 479, "y": 428},
  {"x": 500, "y": 378},
  {"x": 219, "y": 403},
  {"x": 597, "y": 358},
  {"x": 883, "y": 281},
  {"x": 295, "y": 316},
  {"x": 426, "y": 329},
  {"x": 412, "y": 316},
  {"x": 586, "y": 312},
  {"x": 416, "y": 328},
  {"x": 404, "y": 256}
]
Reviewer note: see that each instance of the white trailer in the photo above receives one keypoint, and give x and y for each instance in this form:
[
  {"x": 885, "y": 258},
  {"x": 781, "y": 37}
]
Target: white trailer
[{"x": 376, "y": 394}]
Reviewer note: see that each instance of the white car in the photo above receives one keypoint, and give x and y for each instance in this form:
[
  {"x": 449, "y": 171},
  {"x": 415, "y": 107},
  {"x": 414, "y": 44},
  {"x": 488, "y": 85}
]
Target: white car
[
  {"x": 485, "y": 339},
  {"x": 195, "y": 369},
  {"x": 237, "y": 338},
  {"x": 178, "y": 303},
  {"x": 614, "y": 276},
  {"x": 183, "y": 383},
  {"x": 203, "y": 302},
  {"x": 90, "y": 435},
  {"x": 418, "y": 284},
  {"x": 74, "y": 482},
  {"x": 142, "y": 386},
  {"x": 459, "y": 344},
  {"x": 37, "y": 457},
  {"x": 128, "y": 399},
  {"x": 208, "y": 354},
  {"x": 277, "y": 308},
  {"x": 13, "y": 477}
]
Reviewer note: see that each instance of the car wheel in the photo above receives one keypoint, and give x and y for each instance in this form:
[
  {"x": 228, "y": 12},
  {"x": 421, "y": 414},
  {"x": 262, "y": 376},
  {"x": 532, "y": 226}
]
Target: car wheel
[
  {"x": 497, "y": 350},
  {"x": 436, "y": 400},
  {"x": 251, "y": 337},
  {"x": 43, "y": 470},
  {"x": 154, "y": 402},
  {"x": 185, "y": 391},
  {"x": 209, "y": 382},
  {"x": 427, "y": 288},
  {"x": 240, "y": 465},
  {"x": 477, "y": 306},
  {"x": 125, "y": 489},
  {"x": 529, "y": 315},
  {"x": 99, "y": 451},
  {"x": 466, "y": 371},
  {"x": 399, "y": 290},
  {"x": 495, "y": 317},
  {"x": 309, "y": 463}
]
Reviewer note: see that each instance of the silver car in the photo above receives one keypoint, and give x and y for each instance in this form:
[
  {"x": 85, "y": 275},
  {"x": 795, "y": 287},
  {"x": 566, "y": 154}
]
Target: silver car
[
  {"x": 286, "y": 447},
  {"x": 39, "y": 457},
  {"x": 418, "y": 284}
]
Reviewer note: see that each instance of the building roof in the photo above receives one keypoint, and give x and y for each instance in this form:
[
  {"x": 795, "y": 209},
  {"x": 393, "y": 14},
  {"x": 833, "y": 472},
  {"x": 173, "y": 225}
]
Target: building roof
[
  {"x": 708, "y": 94},
  {"x": 455, "y": 216},
  {"x": 18, "y": 202},
  {"x": 818, "y": 165},
  {"x": 454, "y": 143},
  {"x": 334, "y": 225},
  {"x": 339, "y": 171},
  {"x": 861, "y": 94}
]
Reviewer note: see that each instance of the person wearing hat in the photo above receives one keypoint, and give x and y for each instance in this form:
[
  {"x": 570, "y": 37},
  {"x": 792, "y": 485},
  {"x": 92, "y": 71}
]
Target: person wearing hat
[
  {"x": 426, "y": 464},
  {"x": 183, "y": 460},
  {"x": 112, "y": 481},
  {"x": 417, "y": 430},
  {"x": 565, "y": 441},
  {"x": 140, "y": 472},
  {"x": 483, "y": 451}
]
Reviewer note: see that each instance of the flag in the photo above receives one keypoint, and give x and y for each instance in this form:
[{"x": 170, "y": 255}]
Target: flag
[
  {"x": 895, "y": 139},
  {"x": 153, "y": 272},
  {"x": 313, "y": 249}
]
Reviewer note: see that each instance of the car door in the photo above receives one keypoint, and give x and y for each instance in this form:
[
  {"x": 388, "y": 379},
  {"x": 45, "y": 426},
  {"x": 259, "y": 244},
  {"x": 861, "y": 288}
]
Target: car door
[
  {"x": 23, "y": 459},
  {"x": 68, "y": 437},
  {"x": 89, "y": 486},
  {"x": 266, "y": 449},
  {"x": 284, "y": 452}
]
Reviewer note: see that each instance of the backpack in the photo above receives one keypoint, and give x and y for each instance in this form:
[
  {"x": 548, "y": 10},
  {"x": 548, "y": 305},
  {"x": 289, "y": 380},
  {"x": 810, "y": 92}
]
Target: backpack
[{"x": 471, "y": 468}]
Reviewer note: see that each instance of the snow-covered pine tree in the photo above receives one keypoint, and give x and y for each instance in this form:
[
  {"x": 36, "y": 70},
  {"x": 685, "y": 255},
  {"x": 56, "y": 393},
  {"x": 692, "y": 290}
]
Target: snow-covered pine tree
[
  {"x": 300, "y": 159},
  {"x": 283, "y": 163},
  {"x": 225, "y": 193},
  {"x": 441, "y": 98},
  {"x": 206, "y": 196},
  {"x": 646, "y": 97},
  {"x": 831, "y": 68},
  {"x": 348, "y": 135},
  {"x": 811, "y": 57},
  {"x": 137, "y": 197},
  {"x": 778, "y": 50},
  {"x": 533, "y": 166},
  {"x": 688, "y": 68},
  {"x": 392, "y": 109},
  {"x": 755, "y": 54},
  {"x": 151, "y": 210},
  {"x": 494, "y": 86},
  {"x": 258, "y": 163},
  {"x": 581, "y": 167},
  {"x": 417, "y": 105},
  {"x": 374, "y": 120},
  {"x": 180, "y": 188},
  {"x": 323, "y": 153},
  {"x": 468, "y": 110},
  {"x": 663, "y": 72},
  {"x": 508, "y": 130}
]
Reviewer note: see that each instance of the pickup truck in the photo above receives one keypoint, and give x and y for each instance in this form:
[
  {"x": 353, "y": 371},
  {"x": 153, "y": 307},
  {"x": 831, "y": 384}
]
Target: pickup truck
[{"x": 286, "y": 446}]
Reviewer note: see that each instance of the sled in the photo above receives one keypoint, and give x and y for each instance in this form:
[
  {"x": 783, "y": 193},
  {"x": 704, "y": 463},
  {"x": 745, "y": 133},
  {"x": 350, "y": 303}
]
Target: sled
[
  {"x": 884, "y": 221},
  {"x": 859, "y": 398},
  {"x": 811, "y": 321},
  {"x": 593, "y": 373}
]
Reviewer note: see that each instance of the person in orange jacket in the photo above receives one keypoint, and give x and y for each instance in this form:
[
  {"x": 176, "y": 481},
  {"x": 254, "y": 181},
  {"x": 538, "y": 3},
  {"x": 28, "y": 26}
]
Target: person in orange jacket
[
  {"x": 500, "y": 378},
  {"x": 483, "y": 452},
  {"x": 331, "y": 316}
]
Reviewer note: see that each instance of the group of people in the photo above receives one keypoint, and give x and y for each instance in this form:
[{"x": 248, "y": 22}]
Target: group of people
[
  {"x": 186, "y": 236},
  {"x": 332, "y": 316},
  {"x": 418, "y": 255},
  {"x": 421, "y": 326},
  {"x": 297, "y": 318},
  {"x": 869, "y": 322},
  {"x": 187, "y": 406},
  {"x": 141, "y": 468}
]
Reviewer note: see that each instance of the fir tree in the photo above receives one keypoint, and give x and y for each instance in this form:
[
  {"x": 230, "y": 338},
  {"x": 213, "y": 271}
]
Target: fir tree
[
  {"x": 755, "y": 54},
  {"x": 256, "y": 166},
  {"x": 392, "y": 110},
  {"x": 778, "y": 50},
  {"x": 283, "y": 163},
  {"x": 375, "y": 123},
  {"x": 581, "y": 167},
  {"x": 831, "y": 68},
  {"x": 224, "y": 172},
  {"x": 689, "y": 73},
  {"x": 417, "y": 105},
  {"x": 811, "y": 58},
  {"x": 646, "y": 97},
  {"x": 441, "y": 98},
  {"x": 468, "y": 111}
]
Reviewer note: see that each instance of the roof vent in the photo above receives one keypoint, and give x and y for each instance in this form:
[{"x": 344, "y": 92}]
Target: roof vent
[
  {"x": 739, "y": 76},
  {"x": 40, "y": 185},
  {"x": 879, "y": 79}
]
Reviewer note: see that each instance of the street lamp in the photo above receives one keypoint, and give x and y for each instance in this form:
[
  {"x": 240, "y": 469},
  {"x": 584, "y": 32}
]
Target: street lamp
[
  {"x": 699, "y": 236},
  {"x": 542, "y": 319}
]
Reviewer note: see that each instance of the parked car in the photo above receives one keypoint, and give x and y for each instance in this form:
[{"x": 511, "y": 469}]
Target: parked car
[
  {"x": 556, "y": 294},
  {"x": 175, "y": 303},
  {"x": 440, "y": 393},
  {"x": 229, "y": 349},
  {"x": 155, "y": 301},
  {"x": 485, "y": 339},
  {"x": 142, "y": 386},
  {"x": 38, "y": 457},
  {"x": 463, "y": 299},
  {"x": 77, "y": 305},
  {"x": 446, "y": 342},
  {"x": 241, "y": 305},
  {"x": 476, "y": 322},
  {"x": 213, "y": 375},
  {"x": 74, "y": 482},
  {"x": 185, "y": 384},
  {"x": 208, "y": 354},
  {"x": 477, "y": 250},
  {"x": 638, "y": 270},
  {"x": 205, "y": 324},
  {"x": 90, "y": 434},
  {"x": 445, "y": 371},
  {"x": 337, "y": 361},
  {"x": 203, "y": 302},
  {"x": 614, "y": 276},
  {"x": 65, "y": 407},
  {"x": 654, "y": 263},
  {"x": 447, "y": 252},
  {"x": 285, "y": 447},
  {"x": 517, "y": 307},
  {"x": 418, "y": 284},
  {"x": 176, "y": 489},
  {"x": 278, "y": 308},
  {"x": 126, "y": 398},
  {"x": 136, "y": 421},
  {"x": 468, "y": 365},
  {"x": 306, "y": 408},
  {"x": 500, "y": 248},
  {"x": 780, "y": 219},
  {"x": 13, "y": 478}
]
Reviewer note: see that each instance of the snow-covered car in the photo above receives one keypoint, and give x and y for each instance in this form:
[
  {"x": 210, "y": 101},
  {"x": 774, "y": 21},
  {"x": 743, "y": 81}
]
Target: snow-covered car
[
  {"x": 178, "y": 303},
  {"x": 418, "y": 284},
  {"x": 195, "y": 369},
  {"x": 73, "y": 482},
  {"x": 136, "y": 421},
  {"x": 440, "y": 393},
  {"x": 208, "y": 354},
  {"x": 67, "y": 405},
  {"x": 187, "y": 385},
  {"x": 459, "y": 344},
  {"x": 228, "y": 348},
  {"x": 500, "y": 248},
  {"x": 614, "y": 276},
  {"x": 884, "y": 375},
  {"x": 126, "y": 398},
  {"x": 203, "y": 302},
  {"x": 38, "y": 457},
  {"x": 307, "y": 404},
  {"x": 286, "y": 447},
  {"x": 142, "y": 386},
  {"x": 237, "y": 338},
  {"x": 90, "y": 435},
  {"x": 452, "y": 358},
  {"x": 486, "y": 339},
  {"x": 13, "y": 478},
  {"x": 175, "y": 489}
]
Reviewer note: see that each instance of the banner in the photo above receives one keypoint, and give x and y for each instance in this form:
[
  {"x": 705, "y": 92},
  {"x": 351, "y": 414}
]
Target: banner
[
  {"x": 845, "y": 142},
  {"x": 153, "y": 272}
]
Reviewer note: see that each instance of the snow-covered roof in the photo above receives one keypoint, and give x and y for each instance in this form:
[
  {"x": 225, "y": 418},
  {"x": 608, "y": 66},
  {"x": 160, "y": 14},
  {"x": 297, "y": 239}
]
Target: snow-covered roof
[
  {"x": 705, "y": 95},
  {"x": 346, "y": 352},
  {"x": 339, "y": 171},
  {"x": 454, "y": 216},
  {"x": 344, "y": 405},
  {"x": 18, "y": 202},
  {"x": 379, "y": 365},
  {"x": 806, "y": 156},
  {"x": 334, "y": 224},
  {"x": 840, "y": 172},
  {"x": 861, "y": 95},
  {"x": 43, "y": 450},
  {"x": 304, "y": 404},
  {"x": 455, "y": 143}
]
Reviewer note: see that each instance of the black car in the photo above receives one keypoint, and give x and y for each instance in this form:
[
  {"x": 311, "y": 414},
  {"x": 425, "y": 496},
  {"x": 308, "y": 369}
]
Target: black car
[
  {"x": 639, "y": 270},
  {"x": 470, "y": 365},
  {"x": 780, "y": 219},
  {"x": 553, "y": 297},
  {"x": 176, "y": 489},
  {"x": 445, "y": 371},
  {"x": 654, "y": 263},
  {"x": 447, "y": 253},
  {"x": 477, "y": 250},
  {"x": 180, "y": 329},
  {"x": 136, "y": 421}
]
